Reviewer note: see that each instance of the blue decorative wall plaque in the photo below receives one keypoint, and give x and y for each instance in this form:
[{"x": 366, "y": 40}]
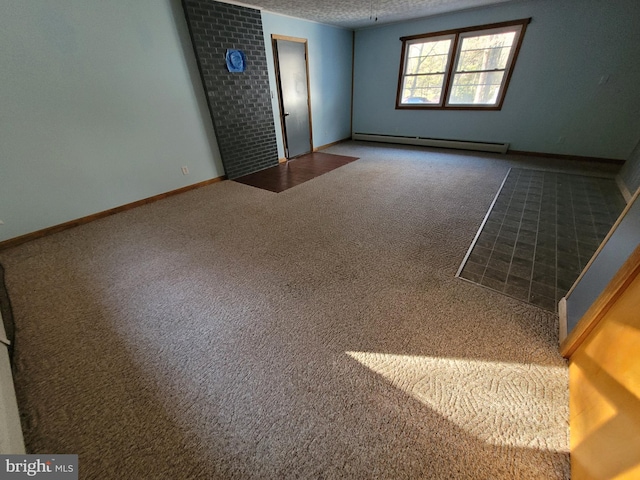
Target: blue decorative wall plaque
[{"x": 236, "y": 61}]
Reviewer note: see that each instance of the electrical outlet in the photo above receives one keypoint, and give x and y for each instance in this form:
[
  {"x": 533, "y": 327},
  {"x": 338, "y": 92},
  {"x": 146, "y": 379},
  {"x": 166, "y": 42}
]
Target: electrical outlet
[{"x": 185, "y": 170}]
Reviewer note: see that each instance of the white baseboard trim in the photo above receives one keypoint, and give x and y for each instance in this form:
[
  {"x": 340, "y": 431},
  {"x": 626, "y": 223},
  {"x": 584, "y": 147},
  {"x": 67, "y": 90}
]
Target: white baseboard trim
[
  {"x": 562, "y": 324},
  {"x": 11, "y": 439}
]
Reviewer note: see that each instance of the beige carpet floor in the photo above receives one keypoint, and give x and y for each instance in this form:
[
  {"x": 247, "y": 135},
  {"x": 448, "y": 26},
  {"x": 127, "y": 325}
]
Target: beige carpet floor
[{"x": 232, "y": 332}]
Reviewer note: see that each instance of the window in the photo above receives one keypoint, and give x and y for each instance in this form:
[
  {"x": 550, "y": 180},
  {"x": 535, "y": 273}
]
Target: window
[{"x": 468, "y": 68}]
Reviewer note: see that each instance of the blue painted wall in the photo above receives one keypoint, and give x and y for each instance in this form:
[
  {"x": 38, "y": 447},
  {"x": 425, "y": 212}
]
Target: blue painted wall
[
  {"x": 330, "y": 53},
  {"x": 101, "y": 106},
  {"x": 554, "y": 92}
]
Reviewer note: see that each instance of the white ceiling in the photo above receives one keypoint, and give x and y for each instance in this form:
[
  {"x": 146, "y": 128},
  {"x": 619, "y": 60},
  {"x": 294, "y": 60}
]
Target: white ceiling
[{"x": 357, "y": 14}]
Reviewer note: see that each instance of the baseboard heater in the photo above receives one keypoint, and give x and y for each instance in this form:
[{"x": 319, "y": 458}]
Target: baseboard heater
[{"x": 434, "y": 142}]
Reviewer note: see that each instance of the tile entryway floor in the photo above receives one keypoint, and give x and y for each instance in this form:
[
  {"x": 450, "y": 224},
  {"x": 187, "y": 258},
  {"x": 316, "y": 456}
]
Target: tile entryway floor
[
  {"x": 541, "y": 232},
  {"x": 295, "y": 171}
]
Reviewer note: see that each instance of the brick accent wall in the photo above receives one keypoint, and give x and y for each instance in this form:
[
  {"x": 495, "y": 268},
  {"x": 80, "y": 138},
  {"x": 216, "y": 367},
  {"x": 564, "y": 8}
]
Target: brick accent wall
[{"x": 240, "y": 103}]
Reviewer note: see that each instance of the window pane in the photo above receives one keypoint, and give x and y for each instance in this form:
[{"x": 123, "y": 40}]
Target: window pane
[
  {"x": 486, "y": 59},
  {"x": 431, "y": 64},
  {"x": 485, "y": 52},
  {"x": 476, "y": 88},
  {"x": 428, "y": 57},
  {"x": 422, "y": 89},
  {"x": 433, "y": 47}
]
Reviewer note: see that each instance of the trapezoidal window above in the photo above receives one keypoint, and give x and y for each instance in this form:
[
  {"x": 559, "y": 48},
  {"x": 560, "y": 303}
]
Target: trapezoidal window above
[{"x": 468, "y": 68}]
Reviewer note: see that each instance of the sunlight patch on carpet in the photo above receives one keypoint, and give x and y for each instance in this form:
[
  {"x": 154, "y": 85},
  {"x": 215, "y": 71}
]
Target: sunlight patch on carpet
[{"x": 504, "y": 404}]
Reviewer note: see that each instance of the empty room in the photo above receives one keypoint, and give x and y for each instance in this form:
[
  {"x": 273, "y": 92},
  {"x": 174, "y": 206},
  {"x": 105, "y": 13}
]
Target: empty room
[{"x": 320, "y": 239}]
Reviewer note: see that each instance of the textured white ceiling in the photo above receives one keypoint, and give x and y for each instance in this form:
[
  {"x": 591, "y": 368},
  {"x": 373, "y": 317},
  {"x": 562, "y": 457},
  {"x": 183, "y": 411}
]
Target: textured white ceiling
[{"x": 362, "y": 13}]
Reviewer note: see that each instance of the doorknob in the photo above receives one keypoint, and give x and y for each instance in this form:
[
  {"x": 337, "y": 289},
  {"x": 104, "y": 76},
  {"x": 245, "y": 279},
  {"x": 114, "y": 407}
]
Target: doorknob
[{"x": 286, "y": 114}]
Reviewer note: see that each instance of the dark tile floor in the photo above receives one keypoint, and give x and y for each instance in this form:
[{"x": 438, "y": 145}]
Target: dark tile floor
[
  {"x": 295, "y": 171},
  {"x": 541, "y": 232}
]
